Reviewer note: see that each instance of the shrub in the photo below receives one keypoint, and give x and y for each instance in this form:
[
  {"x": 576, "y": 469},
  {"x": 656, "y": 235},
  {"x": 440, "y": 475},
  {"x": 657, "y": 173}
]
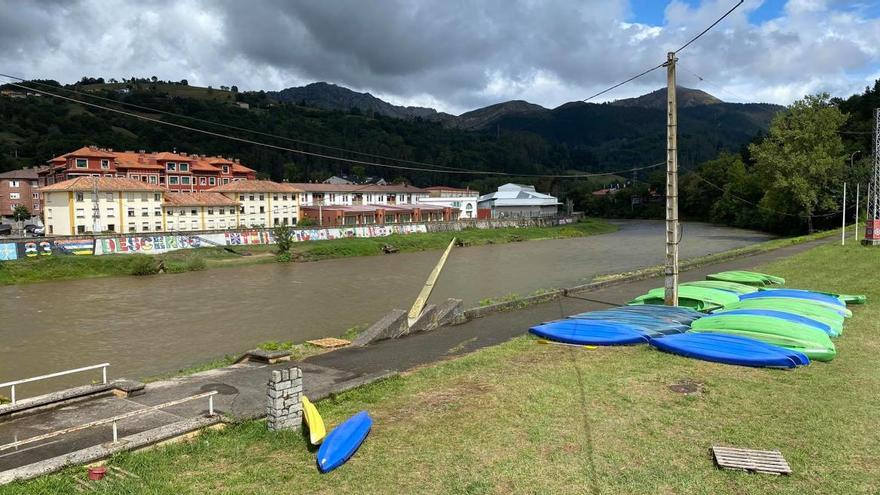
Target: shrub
[
  {"x": 283, "y": 257},
  {"x": 143, "y": 264},
  {"x": 195, "y": 264},
  {"x": 306, "y": 222}
]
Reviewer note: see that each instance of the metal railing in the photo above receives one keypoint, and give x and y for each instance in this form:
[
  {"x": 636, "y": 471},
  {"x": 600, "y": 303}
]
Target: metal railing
[
  {"x": 114, "y": 420},
  {"x": 13, "y": 383}
]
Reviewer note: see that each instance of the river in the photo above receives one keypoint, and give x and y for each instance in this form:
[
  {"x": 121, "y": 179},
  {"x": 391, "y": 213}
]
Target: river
[{"x": 146, "y": 326}]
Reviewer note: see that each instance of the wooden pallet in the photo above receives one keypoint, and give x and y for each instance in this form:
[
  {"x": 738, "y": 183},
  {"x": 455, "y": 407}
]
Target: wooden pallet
[
  {"x": 329, "y": 342},
  {"x": 759, "y": 461},
  {"x": 113, "y": 474}
]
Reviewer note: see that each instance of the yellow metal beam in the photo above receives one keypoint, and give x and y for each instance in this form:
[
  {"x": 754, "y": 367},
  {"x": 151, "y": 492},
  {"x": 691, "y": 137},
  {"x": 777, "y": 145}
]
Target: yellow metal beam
[{"x": 419, "y": 304}]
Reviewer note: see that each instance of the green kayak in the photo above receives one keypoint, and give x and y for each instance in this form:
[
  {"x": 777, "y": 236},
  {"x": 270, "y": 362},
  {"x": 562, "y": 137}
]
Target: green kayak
[
  {"x": 756, "y": 279},
  {"x": 811, "y": 341},
  {"x": 699, "y": 298},
  {"x": 728, "y": 286},
  {"x": 847, "y": 298},
  {"x": 806, "y": 309}
]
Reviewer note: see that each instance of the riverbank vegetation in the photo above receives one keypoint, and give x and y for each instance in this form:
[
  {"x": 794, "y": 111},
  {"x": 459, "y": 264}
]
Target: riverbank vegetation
[
  {"x": 73, "y": 267},
  {"x": 527, "y": 418}
]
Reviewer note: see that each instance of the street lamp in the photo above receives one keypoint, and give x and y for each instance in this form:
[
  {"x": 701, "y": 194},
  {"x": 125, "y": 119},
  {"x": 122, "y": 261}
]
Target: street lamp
[{"x": 851, "y": 156}]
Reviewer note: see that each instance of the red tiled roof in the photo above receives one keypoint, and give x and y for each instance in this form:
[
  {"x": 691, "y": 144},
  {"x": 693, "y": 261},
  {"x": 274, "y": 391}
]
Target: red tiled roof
[
  {"x": 131, "y": 159},
  {"x": 87, "y": 183},
  {"x": 198, "y": 199},
  {"x": 355, "y": 188},
  {"x": 24, "y": 173},
  {"x": 255, "y": 186}
]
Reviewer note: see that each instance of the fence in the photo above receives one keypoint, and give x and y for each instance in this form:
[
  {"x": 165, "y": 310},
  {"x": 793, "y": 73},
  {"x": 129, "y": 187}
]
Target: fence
[{"x": 13, "y": 383}]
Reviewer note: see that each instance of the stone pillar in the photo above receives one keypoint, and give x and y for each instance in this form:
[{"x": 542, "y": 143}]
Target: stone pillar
[{"x": 284, "y": 409}]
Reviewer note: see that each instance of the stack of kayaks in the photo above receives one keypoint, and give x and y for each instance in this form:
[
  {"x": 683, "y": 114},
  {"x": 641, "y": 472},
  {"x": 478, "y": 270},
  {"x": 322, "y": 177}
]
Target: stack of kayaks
[
  {"x": 618, "y": 326},
  {"x": 736, "y": 288},
  {"x": 691, "y": 296},
  {"x": 788, "y": 330}
]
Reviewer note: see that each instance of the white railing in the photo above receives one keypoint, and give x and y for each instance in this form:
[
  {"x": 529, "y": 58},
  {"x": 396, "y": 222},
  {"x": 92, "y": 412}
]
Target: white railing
[
  {"x": 13, "y": 383},
  {"x": 114, "y": 420}
]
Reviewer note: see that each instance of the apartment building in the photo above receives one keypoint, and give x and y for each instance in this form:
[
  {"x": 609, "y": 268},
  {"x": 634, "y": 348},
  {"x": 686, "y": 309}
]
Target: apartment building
[
  {"x": 199, "y": 211},
  {"x": 263, "y": 203},
  {"x": 358, "y": 195},
  {"x": 463, "y": 200},
  {"x": 20, "y": 187},
  {"x": 179, "y": 172},
  {"x": 88, "y": 204}
]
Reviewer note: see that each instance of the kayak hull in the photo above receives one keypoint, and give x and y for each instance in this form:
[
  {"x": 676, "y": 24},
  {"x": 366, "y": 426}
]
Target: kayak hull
[
  {"x": 343, "y": 441},
  {"x": 728, "y": 349}
]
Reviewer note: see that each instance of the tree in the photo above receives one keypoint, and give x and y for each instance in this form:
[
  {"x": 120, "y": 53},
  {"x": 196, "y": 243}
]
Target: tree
[
  {"x": 283, "y": 241},
  {"x": 802, "y": 158},
  {"x": 234, "y": 89},
  {"x": 21, "y": 213}
]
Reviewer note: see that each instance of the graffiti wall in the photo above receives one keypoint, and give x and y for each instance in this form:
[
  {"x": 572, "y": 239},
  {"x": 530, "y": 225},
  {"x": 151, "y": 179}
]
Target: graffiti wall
[
  {"x": 163, "y": 243},
  {"x": 16, "y": 250}
]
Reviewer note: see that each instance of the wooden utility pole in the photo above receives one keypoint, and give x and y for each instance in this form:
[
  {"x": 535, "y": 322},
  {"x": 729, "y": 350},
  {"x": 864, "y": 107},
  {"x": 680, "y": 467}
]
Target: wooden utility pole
[{"x": 671, "y": 284}]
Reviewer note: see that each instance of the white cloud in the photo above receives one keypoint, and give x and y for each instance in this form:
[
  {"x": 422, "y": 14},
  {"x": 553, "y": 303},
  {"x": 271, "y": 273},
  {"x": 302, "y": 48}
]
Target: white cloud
[{"x": 454, "y": 55}]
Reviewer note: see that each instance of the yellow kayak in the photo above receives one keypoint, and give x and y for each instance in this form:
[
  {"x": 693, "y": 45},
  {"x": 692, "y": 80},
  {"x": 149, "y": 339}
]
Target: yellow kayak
[{"x": 313, "y": 420}]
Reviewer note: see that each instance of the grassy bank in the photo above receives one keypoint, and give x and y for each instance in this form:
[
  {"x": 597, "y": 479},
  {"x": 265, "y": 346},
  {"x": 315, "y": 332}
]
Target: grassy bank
[
  {"x": 74, "y": 267},
  {"x": 527, "y": 418}
]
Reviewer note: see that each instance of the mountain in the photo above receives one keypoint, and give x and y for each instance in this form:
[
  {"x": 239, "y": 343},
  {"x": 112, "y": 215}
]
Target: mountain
[
  {"x": 482, "y": 117},
  {"x": 685, "y": 97},
  {"x": 332, "y": 97}
]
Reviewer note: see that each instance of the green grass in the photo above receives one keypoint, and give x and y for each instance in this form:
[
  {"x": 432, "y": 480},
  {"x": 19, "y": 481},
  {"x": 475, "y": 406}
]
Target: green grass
[
  {"x": 74, "y": 267},
  {"x": 528, "y": 418}
]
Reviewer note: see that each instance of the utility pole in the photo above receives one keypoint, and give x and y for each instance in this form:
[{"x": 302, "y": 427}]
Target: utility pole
[
  {"x": 856, "y": 231},
  {"x": 671, "y": 283},
  {"x": 843, "y": 218},
  {"x": 872, "y": 225}
]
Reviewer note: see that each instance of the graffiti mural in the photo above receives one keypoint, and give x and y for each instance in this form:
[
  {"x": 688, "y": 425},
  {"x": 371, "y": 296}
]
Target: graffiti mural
[
  {"x": 44, "y": 247},
  {"x": 8, "y": 251},
  {"x": 154, "y": 244},
  {"x": 249, "y": 237}
]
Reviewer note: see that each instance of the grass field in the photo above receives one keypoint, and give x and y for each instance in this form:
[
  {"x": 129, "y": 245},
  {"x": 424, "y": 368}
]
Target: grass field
[
  {"x": 72, "y": 267},
  {"x": 527, "y": 418}
]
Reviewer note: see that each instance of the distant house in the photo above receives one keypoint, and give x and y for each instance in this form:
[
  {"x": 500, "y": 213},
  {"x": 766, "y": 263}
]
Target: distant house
[
  {"x": 518, "y": 201},
  {"x": 19, "y": 187},
  {"x": 464, "y": 200},
  {"x": 353, "y": 179},
  {"x": 337, "y": 180}
]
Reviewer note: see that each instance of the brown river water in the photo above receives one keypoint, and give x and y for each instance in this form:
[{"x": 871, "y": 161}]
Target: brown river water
[{"x": 146, "y": 326}]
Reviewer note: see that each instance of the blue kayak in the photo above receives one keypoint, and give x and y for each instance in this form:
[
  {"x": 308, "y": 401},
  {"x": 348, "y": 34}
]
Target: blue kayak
[
  {"x": 593, "y": 332},
  {"x": 343, "y": 441},
  {"x": 783, "y": 315},
  {"x": 795, "y": 294},
  {"x": 730, "y": 349},
  {"x": 673, "y": 313},
  {"x": 648, "y": 322}
]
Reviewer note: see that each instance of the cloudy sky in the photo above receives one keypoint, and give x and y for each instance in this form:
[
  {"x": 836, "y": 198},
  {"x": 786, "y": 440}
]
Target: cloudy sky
[{"x": 452, "y": 55}]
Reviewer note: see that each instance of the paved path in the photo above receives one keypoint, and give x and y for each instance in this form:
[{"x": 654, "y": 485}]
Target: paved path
[{"x": 241, "y": 388}]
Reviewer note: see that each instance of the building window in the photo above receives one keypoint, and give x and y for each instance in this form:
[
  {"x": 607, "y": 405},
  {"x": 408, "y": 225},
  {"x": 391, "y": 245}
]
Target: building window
[
  {"x": 145, "y": 212},
  {"x": 222, "y": 211},
  {"x": 184, "y": 180},
  {"x": 13, "y": 183},
  {"x": 105, "y": 164},
  {"x": 274, "y": 197},
  {"x": 136, "y": 177},
  {"x": 36, "y": 206},
  {"x": 36, "y": 195},
  {"x": 171, "y": 167},
  {"x": 82, "y": 163},
  {"x": 161, "y": 179},
  {"x": 284, "y": 197},
  {"x": 111, "y": 227},
  {"x": 152, "y": 179},
  {"x": 183, "y": 167},
  {"x": 170, "y": 212},
  {"x": 210, "y": 211},
  {"x": 172, "y": 180},
  {"x": 80, "y": 229},
  {"x": 158, "y": 226},
  {"x": 195, "y": 225},
  {"x": 131, "y": 227},
  {"x": 203, "y": 181},
  {"x": 157, "y": 212},
  {"x": 226, "y": 181},
  {"x": 80, "y": 213},
  {"x": 225, "y": 169},
  {"x": 80, "y": 196},
  {"x": 262, "y": 197},
  {"x": 14, "y": 196},
  {"x": 145, "y": 197},
  {"x": 262, "y": 209},
  {"x": 145, "y": 227},
  {"x": 251, "y": 197},
  {"x": 212, "y": 181},
  {"x": 194, "y": 212},
  {"x": 157, "y": 197},
  {"x": 182, "y": 212},
  {"x": 131, "y": 212},
  {"x": 111, "y": 213}
]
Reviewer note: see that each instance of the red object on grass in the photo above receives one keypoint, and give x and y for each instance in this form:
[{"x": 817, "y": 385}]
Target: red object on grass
[{"x": 97, "y": 473}]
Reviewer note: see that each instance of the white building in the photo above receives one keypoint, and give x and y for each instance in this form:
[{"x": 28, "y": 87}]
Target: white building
[
  {"x": 519, "y": 201},
  {"x": 358, "y": 195},
  {"x": 263, "y": 203},
  {"x": 465, "y": 200},
  {"x": 102, "y": 204},
  {"x": 199, "y": 211}
]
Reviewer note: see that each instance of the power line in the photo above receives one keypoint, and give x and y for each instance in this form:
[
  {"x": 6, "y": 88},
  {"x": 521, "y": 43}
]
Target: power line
[
  {"x": 647, "y": 71},
  {"x": 695, "y": 38},
  {"x": 229, "y": 126},
  {"x": 330, "y": 157}
]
